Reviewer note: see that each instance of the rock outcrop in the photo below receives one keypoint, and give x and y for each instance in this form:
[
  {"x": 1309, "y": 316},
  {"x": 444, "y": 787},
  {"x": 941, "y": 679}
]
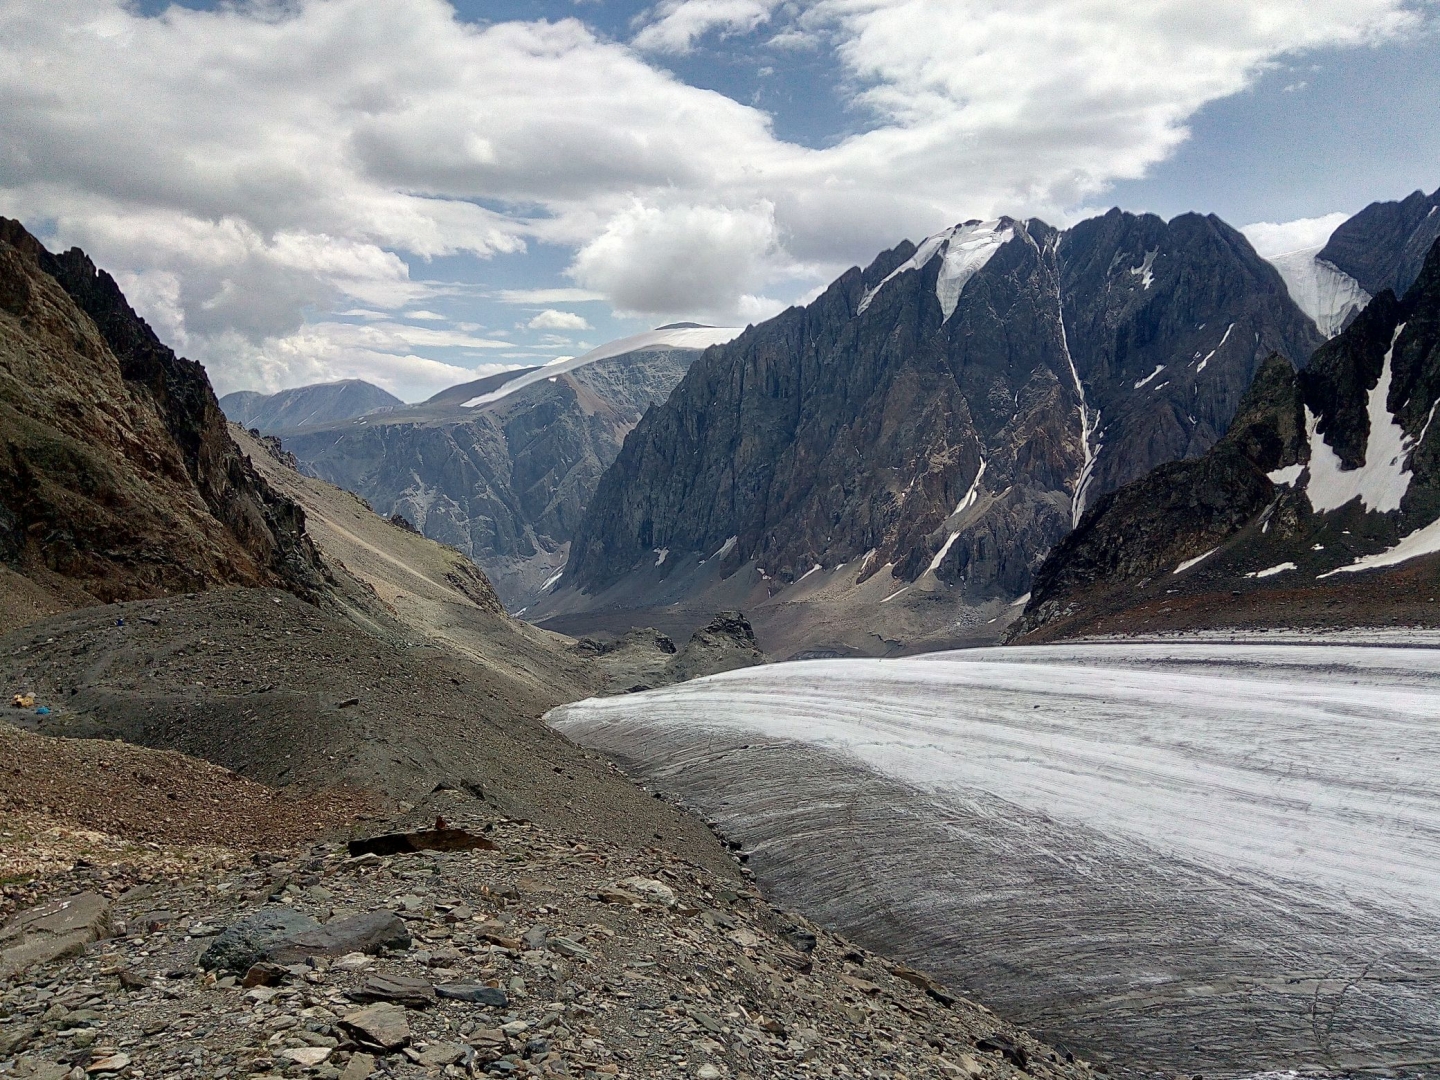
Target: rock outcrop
[
  {"x": 118, "y": 477},
  {"x": 1324, "y": 494}
]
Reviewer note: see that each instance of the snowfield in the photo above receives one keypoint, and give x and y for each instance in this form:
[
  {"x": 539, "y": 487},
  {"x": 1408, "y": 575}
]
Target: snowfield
[{"x": 1200, "y": 857}]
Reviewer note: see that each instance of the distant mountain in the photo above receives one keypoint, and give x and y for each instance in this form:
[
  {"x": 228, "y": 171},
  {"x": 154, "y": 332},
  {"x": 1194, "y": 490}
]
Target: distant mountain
[
  {"x": 1321, "y": 505},
  {"x": 118, "y": 477},
  {"x": 1382, "y": 247},
  {"x": 932, "y": 424},
  {"x": 305, "y": 406},
  {"x": 502, "y": 468}
]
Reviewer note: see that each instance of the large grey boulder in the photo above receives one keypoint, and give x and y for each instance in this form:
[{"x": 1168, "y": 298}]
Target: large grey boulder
[{"x": 55, "y": 929}]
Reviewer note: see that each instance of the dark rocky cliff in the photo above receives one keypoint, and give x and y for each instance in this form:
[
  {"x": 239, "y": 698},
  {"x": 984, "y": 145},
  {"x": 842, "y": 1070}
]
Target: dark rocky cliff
[
  {"x": 1384, "y": 246},
  {"x": 1328, "y": 478},
  {"x": 118, "y": 477},
  {"x": 878, "y": 429}
]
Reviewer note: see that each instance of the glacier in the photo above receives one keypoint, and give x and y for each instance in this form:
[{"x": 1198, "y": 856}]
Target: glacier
[
  {"x": 1167, "y": 856},
  {"x": 671, "y": 337},
  {"x": 1327, "y": 294},
  {"x": 964, "y": 249}
]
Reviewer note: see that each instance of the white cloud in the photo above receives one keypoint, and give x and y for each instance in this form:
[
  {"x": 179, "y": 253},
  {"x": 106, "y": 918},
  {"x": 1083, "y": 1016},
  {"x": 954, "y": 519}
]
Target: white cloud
[
  {"x": 252, "y": 168},
  {"x": 675, "y": 25},
  {"x": 695, "y": 258},
  {"x": 1271, "y": 238},
  {"x": 550, "y": 319},
  {"x": 547, "y": 296}
]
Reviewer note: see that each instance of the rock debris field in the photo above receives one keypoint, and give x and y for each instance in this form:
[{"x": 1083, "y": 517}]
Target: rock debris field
[
  {"x": 546, "y": 956},
  {"x": 1217, "y": 859}
]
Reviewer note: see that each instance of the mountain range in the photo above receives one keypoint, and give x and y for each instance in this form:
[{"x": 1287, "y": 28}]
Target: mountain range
[
  {"x": 886, "y": 467},
  {"x": 502, "y": 468}
]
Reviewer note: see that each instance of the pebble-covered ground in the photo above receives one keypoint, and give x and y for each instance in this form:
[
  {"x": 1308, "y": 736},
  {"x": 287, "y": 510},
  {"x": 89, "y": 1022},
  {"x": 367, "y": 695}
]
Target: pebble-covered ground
[{"x": 610, "y": 961}]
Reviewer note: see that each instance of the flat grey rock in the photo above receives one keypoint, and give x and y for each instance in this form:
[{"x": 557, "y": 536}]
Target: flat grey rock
[
  {"x": 55, "y": 929},
  {"x": 367, "y": 933}
]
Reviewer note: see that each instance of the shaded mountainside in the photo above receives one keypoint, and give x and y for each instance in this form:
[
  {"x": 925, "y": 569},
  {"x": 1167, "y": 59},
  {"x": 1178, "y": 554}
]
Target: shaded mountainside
[
  {"x": 937, "y": 420},
  {"x": 1318, "y": 507},
  {"x": 305, "y": 406},
  {"x": 505, "y": 482},
  {"x": 1384, "y": 246},
  {"x": 118, "y": 478}
]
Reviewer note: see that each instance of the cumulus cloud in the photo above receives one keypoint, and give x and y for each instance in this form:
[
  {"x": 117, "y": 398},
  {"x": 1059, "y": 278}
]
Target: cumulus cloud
[
  {"x": 550, "y": 319},
  {"x": 652, "y": 260},
  {"x": 1271, "y": 238},
  {"x": 254, "y": 167},
  {"x": 675, "y": 26}
]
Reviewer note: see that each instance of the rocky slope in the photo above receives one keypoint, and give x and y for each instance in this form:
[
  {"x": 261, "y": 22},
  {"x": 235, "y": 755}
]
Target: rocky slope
[
  {"x": 934, "y": 423},
  {"x": 118, "y": 478},
  {"x": 305, "y": 406},
  {"x": 502, "y": 469},
  {"x": 550, "y": 955},
  {"x": 1320, "y": 506}
]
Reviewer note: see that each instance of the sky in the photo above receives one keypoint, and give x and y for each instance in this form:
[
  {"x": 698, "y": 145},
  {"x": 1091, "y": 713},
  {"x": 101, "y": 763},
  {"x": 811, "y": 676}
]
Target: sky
[{"x": 419, "y": 192}]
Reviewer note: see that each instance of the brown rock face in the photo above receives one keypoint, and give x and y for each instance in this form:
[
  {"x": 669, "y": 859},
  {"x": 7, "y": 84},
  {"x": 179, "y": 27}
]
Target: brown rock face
[{"x": 118, "y": 478}]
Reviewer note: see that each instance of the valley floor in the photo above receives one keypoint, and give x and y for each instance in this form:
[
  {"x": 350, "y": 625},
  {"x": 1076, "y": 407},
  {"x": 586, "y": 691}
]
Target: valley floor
[{"x": 1207, "y": 858}]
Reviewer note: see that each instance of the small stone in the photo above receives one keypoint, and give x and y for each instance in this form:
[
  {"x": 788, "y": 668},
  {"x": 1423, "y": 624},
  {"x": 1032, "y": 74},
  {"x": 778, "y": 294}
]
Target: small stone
[
  {"x": 441, "y": 1054},
  {"x": 307, "y": 1056},
  {"x": 354, "y": 961},
  {"x": 474, "y": 992},
  {"x": 656, "y": 892},
  {"x": 515, "y": 1027},
  {"x": 382, "y": 1024},
  {"x": 109, "y": 1063},
  {"x": 572, "y": 950},
  {"x": 263, "y": 974},
  {"x": 401, "y": 989},
  {"x": 359, "y": 1068},
  {"x": 708, "y": 1072}
]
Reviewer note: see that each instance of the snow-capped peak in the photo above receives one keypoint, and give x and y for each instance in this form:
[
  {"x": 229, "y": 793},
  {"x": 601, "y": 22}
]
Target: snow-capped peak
[
  {"x": 965, "y": 248},
  {"x": 679, "y": 336}
]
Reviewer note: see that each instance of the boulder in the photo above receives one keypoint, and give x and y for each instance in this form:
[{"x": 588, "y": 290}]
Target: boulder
[
  {"x": 55, "y": 929},
  {"x": 250, "y": 941},
  {"x": 367, "y": 933}
]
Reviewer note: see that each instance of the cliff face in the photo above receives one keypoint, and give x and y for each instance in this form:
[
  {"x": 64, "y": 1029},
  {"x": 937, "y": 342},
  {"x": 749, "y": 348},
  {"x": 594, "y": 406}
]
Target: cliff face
[
  {"x": 1322, "y": 498},
  {"x": 1384, "y": 246},
  {"x": 505, "y": 482},
  {"x": 118, "y": 479},
  {"x": 948, "y": 411}
]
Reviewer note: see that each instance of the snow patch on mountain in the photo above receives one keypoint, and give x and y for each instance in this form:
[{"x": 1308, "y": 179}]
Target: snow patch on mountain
[
  {"x": 1382, "y": 481},
  {"x": 679, "y": 336},
  {"x": 1424, "y": 541},
  {"x": 965, "y": 249}
]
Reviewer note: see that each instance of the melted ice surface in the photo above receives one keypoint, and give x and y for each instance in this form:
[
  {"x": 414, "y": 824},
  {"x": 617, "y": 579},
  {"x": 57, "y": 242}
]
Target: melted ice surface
[
  {"x": 965, "y": 249},
  {"x": 1315, "y": 764}
]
